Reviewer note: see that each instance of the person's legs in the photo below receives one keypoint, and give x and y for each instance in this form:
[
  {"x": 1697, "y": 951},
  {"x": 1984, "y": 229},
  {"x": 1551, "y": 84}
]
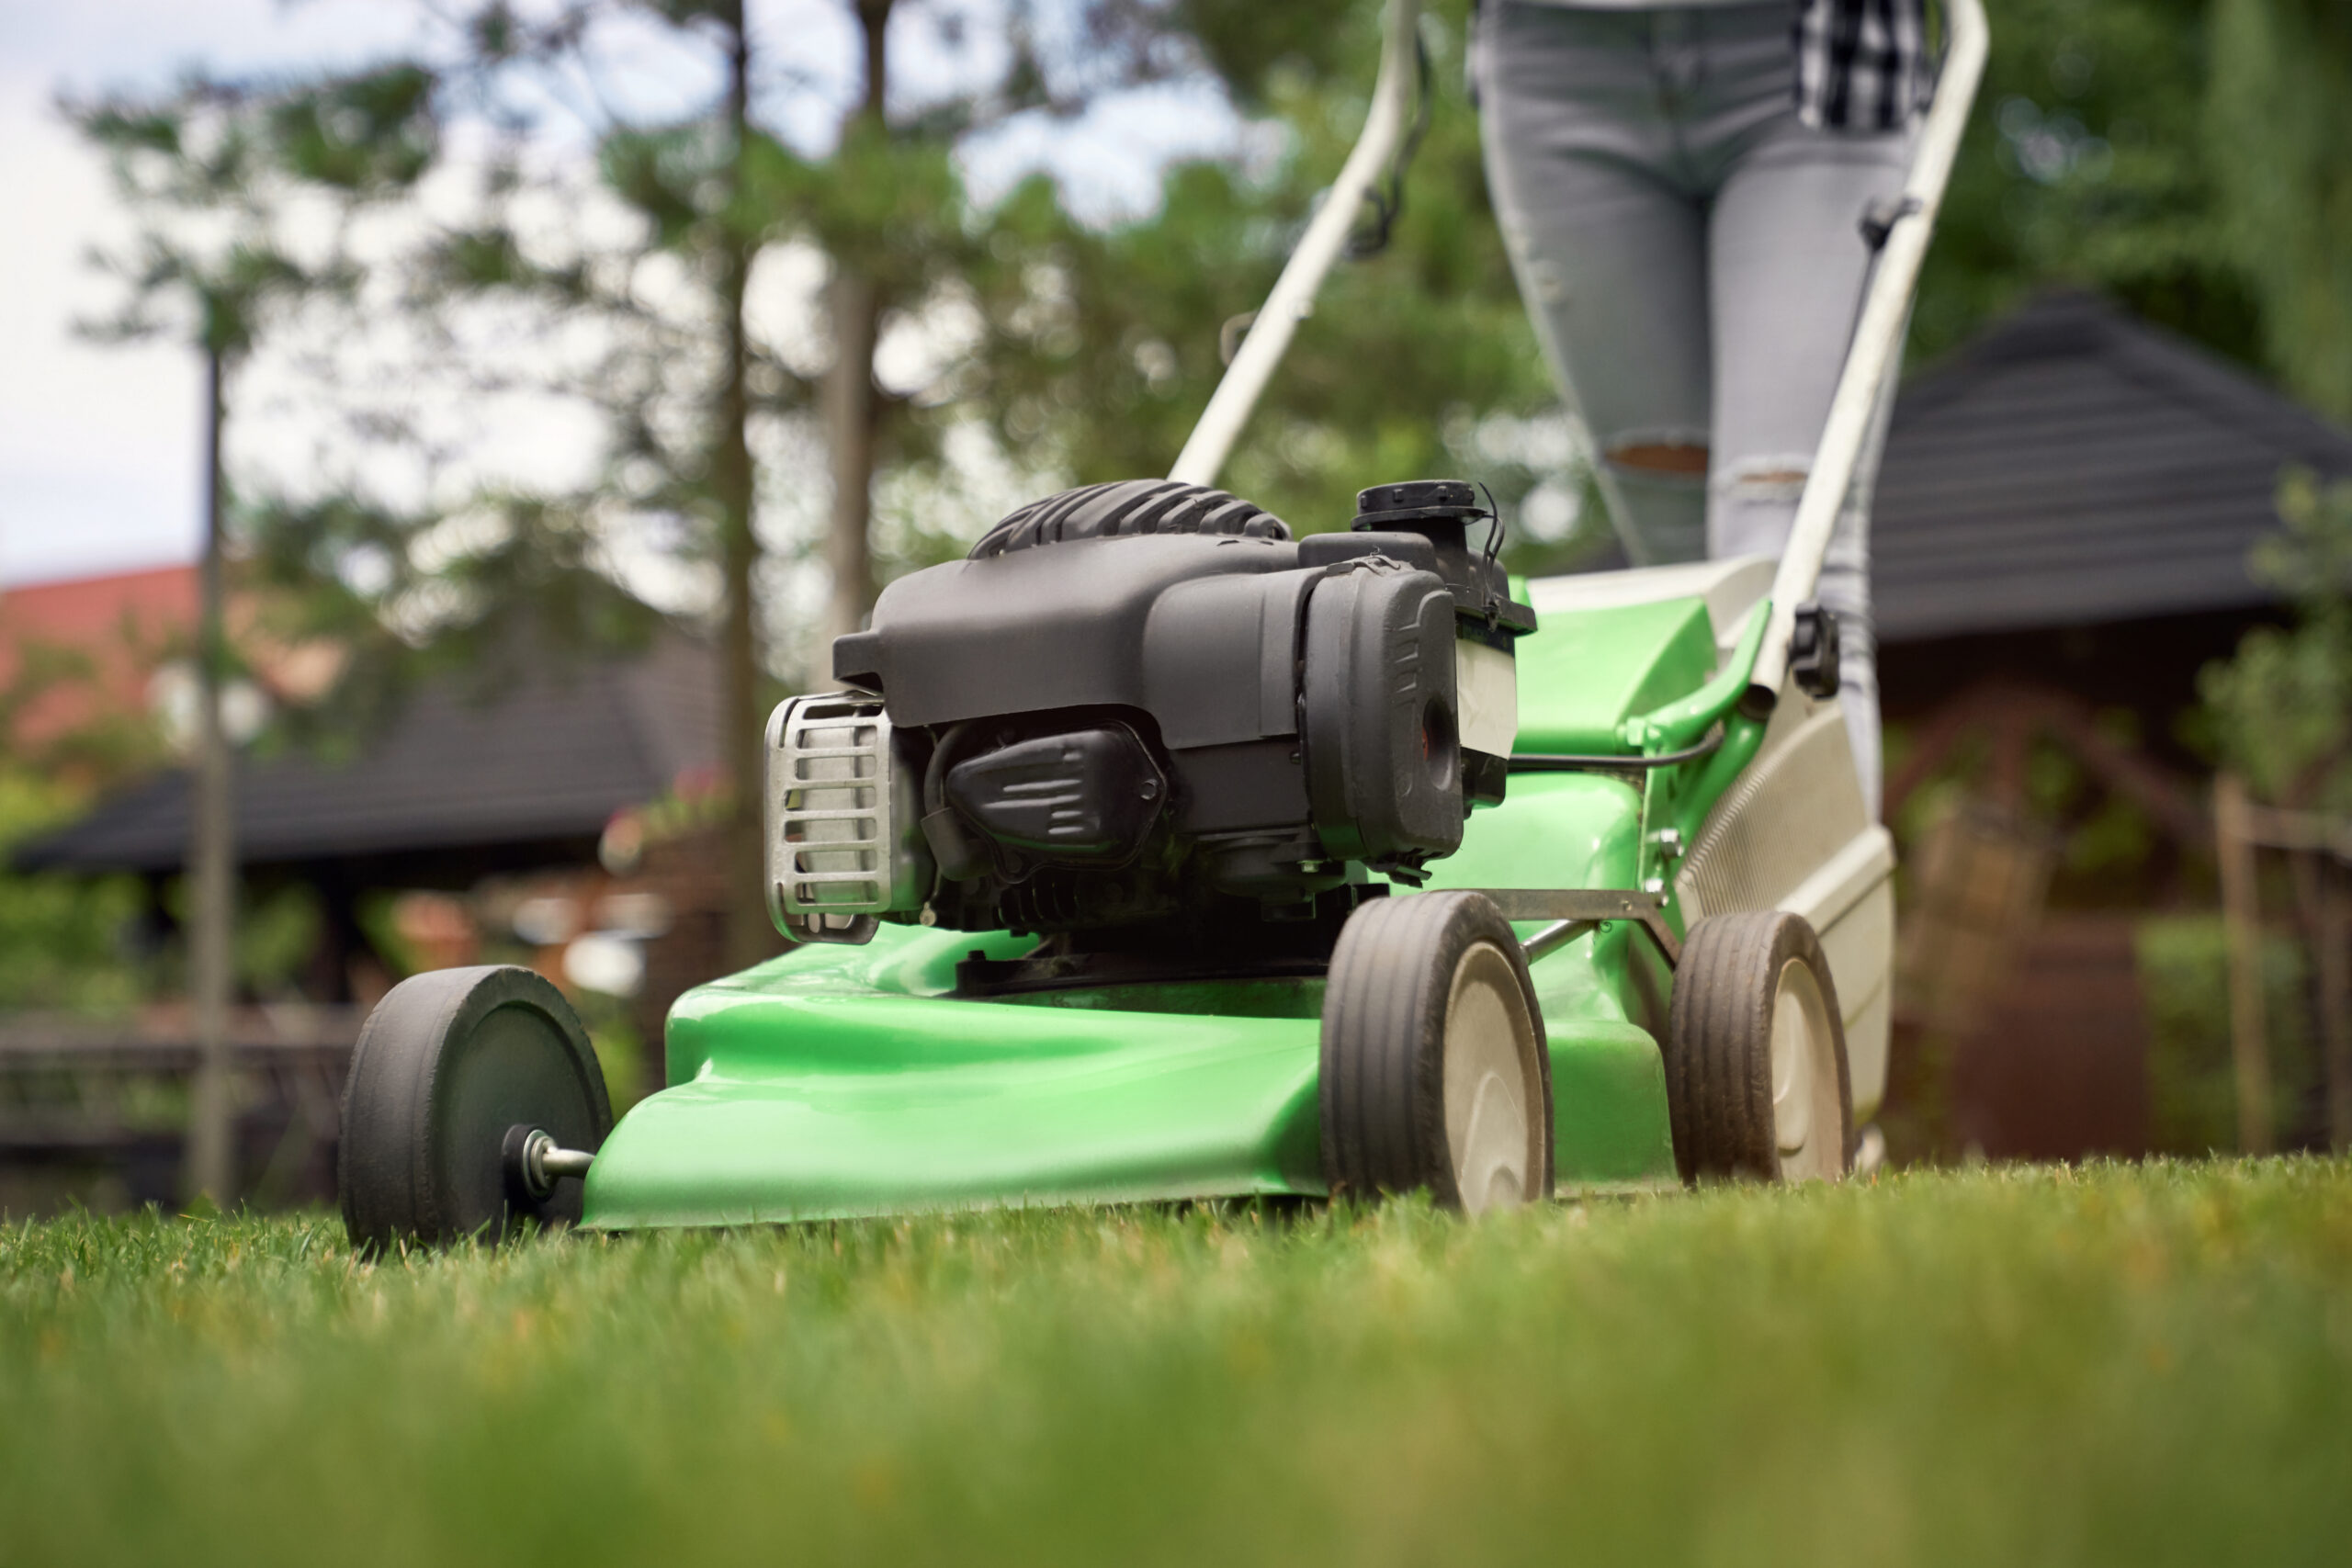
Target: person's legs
[
  {"x": 1789, "y": 266},
  {"x": 1610, "y": 253}
]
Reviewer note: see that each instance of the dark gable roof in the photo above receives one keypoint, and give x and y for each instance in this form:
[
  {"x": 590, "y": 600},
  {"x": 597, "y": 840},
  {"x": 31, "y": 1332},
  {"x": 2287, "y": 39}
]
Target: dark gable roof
[
  {"x": 549, "y": 759},
  {"x": 2076, "y": 466}
]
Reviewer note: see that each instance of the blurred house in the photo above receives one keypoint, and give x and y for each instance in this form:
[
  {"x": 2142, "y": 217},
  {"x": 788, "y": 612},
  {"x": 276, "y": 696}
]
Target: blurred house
[
  {"x": 2060, "y": 545},
  {"x": 459, "y": 789},
  {"x": 558, "y": 820},
  {"x": 93, "y": 668},
  {"x": 75, "y": 653}
]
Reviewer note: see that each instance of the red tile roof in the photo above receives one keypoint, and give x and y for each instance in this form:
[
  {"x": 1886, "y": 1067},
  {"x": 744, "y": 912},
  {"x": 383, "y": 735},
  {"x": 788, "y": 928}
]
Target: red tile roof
[{"x": 120, "y": 626}]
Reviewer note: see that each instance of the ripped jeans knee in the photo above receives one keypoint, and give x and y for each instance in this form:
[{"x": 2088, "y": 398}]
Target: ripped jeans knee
[
  {"x": 1770, "y": 481},
  {"x": 1662, "y": 457}
]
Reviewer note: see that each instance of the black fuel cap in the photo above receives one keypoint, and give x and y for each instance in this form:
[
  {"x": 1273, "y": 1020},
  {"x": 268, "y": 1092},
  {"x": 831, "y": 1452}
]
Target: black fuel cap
[{"x": 1415, "y": 499}]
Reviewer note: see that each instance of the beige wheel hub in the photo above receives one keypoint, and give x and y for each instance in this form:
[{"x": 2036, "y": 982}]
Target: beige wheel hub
[
  {"x": 1491, "y": 1129},
  {"x": 1807, "y": 1119}
]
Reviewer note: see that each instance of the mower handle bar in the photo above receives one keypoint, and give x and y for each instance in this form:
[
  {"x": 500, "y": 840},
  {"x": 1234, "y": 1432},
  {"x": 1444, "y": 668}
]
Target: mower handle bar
[
  {"x": 1878, "y": 337},
  {"x": 1902, "y": 240},
  {"x": 1327, "y": 236}
]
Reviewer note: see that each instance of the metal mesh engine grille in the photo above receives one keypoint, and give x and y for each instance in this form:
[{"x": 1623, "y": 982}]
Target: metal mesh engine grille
[{"x": 832, "y": 837}]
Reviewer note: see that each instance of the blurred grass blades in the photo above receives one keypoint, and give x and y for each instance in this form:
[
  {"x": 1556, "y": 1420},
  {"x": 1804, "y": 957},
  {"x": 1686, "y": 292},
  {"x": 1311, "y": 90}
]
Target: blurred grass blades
[{"x": 2112, "y": 1364}]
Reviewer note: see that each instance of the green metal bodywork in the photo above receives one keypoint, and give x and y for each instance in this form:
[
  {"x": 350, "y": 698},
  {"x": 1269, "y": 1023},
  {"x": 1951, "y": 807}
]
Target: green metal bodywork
[{"x": 839, "y": 1080}]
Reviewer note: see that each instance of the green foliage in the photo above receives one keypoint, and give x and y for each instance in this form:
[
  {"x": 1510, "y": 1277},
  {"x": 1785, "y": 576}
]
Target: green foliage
[
  {"x": 1417, "y": 361},
  {"x": 61, "y": 938},
  {"x": 369, "y": 133},
  {"x": 2283, "y": 706},
  {"x": 512, "y": 581},
  {"x": 278, "y": 930},
  {"x": 374, "y": 913},
  {"x": 620, "y": 1049},
  {"x": 2184, "y": 967},
  {"x": 2139, "y": 1365},
  {"x": 209, "y": 169},
  {"x": 2086, "y": 163},
  {"x": 2189, "y": 158},
  {"x": 2279, "y": 119},
  {"x": 106, "y": 747}
]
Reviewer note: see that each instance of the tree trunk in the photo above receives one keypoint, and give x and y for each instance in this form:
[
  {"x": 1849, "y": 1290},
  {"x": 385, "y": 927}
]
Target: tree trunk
[
  {"x": 850, "y": 403},
  {"x": 750, "y": 937},
  {"x": 211, "y": 1152}
]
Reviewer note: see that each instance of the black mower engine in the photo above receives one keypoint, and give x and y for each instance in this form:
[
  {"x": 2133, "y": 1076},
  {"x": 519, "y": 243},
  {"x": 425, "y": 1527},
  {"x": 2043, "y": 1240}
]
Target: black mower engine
[{"x": 1142, "y": 704}]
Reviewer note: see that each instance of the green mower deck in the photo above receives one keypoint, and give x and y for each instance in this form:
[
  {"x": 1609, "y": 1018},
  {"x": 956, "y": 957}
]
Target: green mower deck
[{"x": 839, "y": 1080}]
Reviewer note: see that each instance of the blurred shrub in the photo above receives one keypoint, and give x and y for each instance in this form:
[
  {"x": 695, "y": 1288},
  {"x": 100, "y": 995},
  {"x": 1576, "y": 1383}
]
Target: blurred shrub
[
  {"x": 2283, "y": 706},
  {"x": 620, "y": 1049},
  {"x": 2192, "y": 1087},
  {"x": 66, "y": 942}
]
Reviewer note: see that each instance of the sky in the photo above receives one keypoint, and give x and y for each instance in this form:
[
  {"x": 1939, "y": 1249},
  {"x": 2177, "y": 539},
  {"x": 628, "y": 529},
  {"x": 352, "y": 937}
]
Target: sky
[{"x": 101, "y": 445}]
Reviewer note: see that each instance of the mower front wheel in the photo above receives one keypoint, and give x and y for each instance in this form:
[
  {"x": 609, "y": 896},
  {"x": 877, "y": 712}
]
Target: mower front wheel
[
  {"x": 1756, "y": 1074},
  {"x": 463, "y": 1082},
  {"x": 1434, "y": 1070}
]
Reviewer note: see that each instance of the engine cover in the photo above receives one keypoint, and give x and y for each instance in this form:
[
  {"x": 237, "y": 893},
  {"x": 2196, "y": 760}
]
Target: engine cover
[{"x": 1142, "y": 702}]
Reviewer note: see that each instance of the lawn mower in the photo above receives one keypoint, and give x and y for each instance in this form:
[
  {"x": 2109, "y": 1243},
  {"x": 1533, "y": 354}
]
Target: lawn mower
[{"x": 1151, "y": 853}]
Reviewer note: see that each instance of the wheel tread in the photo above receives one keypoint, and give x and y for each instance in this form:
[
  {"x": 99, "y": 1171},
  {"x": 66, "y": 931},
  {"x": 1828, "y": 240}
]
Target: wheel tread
[
  {"x": 1383, "y": 1088},
  {"x": 1718, "y": 1045}
]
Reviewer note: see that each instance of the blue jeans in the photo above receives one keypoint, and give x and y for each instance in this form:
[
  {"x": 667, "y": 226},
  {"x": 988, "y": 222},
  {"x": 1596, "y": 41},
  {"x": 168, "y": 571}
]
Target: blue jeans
[{"x": 1692, "y": 260}]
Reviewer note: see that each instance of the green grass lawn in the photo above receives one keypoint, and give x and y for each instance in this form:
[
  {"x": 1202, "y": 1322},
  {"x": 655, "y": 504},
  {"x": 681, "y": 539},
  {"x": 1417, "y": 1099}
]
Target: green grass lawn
[{"x": 2129, "y": 1365}]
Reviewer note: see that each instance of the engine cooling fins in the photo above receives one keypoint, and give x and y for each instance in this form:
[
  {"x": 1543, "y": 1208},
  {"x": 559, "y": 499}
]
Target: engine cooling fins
[{"x": 1128, "y": 507}]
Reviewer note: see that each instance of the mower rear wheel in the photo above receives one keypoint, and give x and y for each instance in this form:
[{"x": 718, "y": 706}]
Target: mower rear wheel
[
  {"x": 1434, "y": 1070},
  {"x": 453, "y": 1073},
  {"x": 1756, "y": 1074}
]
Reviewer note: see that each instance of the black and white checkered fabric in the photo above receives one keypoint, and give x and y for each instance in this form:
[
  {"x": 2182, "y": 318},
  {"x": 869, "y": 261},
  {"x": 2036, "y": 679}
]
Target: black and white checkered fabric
[{"x": 1863, "y": 64}]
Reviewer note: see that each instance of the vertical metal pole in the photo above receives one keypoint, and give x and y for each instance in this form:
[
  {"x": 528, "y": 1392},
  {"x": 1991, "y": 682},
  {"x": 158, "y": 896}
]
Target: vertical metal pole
[
  {"x": 211, "y": 1154},
  {"x": 847, "y": 398},
  {"x": 2333, "y": 939},
  {"x": 2241, "y": 925},
  {"x": 745, "y": 938}
]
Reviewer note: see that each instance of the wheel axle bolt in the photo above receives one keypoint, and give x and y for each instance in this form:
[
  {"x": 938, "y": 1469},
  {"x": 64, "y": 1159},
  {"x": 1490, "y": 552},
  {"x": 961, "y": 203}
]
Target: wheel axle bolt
[{"x": 544, "y": 1162}]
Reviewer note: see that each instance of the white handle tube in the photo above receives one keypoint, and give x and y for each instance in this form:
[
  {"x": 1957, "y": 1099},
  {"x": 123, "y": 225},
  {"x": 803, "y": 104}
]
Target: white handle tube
[
  {"x": 1326, "y": 234},
  {"x": 1886, "y": 308}
]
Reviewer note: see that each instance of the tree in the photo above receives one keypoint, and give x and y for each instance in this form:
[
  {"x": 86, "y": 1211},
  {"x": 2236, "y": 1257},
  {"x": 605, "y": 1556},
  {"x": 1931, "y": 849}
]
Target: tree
[
  {"x": 2191, "y": 159},
  {"x": 1417, "y": 361},
  {"x": 688, "y": 392},
  {"x": 2282, "y": 705},
  {"x": 210, "y": 170},
  {"x": 2085, "y": 163},
  {"x": 2279, "y": 116}
]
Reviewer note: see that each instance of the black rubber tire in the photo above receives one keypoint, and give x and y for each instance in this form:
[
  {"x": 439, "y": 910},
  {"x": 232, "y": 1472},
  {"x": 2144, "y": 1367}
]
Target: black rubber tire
[
  {"x": 1719, "y": 1045},
  {"x": 1128, "y": 507},
  {"x": 448, "y": 1065},
  {"x": 1384, "y": 1007}
]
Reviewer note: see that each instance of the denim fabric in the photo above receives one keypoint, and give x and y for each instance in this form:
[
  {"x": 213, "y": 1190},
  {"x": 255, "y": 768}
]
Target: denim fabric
[{"x": 1692, "y": 259}]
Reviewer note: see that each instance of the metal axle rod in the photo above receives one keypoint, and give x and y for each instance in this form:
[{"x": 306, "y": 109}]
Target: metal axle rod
[{"x": 542, "y": 1162}]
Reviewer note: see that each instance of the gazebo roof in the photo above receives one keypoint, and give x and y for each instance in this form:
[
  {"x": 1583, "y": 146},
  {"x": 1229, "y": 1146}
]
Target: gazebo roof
[
  {"x": 544, "y": 765},
  {"x": 2075, "y": 466}
]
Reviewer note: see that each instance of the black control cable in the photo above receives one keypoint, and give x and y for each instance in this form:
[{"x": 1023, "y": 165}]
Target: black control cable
[{"x": 1389, "y": 206}]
